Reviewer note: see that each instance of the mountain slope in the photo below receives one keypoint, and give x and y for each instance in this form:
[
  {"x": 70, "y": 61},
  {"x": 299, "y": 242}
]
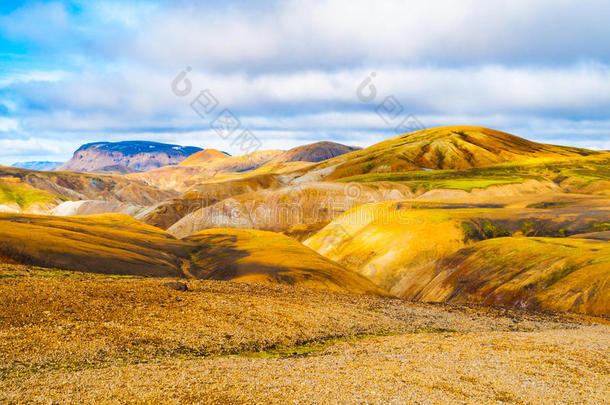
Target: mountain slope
[
  {"x": 109, "y": 243},
  {"x": 40, "y": 192},
  {"x": 137, "y": 155},
  {"x": 192, "y": 172},
  {"x": 456, "y": 147},
  {"x": 168, "y": 212},
  {"x": 401, "y": 246}
]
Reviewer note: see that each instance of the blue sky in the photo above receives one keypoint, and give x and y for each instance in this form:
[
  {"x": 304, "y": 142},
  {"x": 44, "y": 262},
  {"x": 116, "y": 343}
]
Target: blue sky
[{"x": 74, "y": 72}]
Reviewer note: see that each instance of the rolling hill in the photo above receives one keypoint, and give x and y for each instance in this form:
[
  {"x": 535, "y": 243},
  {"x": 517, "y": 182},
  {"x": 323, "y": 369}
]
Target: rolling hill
[
  {"x": 294, "y": 209},
  {"x": 118, "y": 244},
  {"x": 191, "y": 173},
  {"x": 110, "y": 243},
  {"x": 137, "y": 155},
  {"x": 168, "y": 212},
  {"x": 204, "y": 157},
  {"x": 210, "y": 164},
  {"x": 557, "y": 274},
  {"x": 266, "y": 257}
]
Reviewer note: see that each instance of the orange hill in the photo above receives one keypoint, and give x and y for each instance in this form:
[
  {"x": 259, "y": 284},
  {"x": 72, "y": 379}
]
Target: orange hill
[{"x": 204, "y": 157}]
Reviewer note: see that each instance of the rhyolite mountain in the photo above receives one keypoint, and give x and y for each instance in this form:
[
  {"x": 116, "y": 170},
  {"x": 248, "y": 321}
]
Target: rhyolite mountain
[
  {"x": 136, "y": 155},
  {"x": 42, "y": 166},
  {"x": 314, "y": 152}
]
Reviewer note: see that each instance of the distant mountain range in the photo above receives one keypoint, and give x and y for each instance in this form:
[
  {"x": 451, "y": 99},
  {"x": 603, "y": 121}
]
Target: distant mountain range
[
  {"x": 134, "y": 155},
  {"x": 42, "y": 166}
]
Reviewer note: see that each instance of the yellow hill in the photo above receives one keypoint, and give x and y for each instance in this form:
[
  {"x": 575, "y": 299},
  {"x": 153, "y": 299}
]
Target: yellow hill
[
  {"x": 400, "y": 245},
  {"x": 203, "y": 167},
  {"x": 119, "y": 244},
  {"x": 534, "y": 273},
  {"x": 109, "y": 243},
  {"x": 267, "y": 257}
]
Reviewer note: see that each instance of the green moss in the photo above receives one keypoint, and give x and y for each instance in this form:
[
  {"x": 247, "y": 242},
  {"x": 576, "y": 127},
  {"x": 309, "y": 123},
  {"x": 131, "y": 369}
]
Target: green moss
[
  {"x": 470, "y": 232},
  {"x": 23, "y": 196},
  {"x": 494, "y": 231}
]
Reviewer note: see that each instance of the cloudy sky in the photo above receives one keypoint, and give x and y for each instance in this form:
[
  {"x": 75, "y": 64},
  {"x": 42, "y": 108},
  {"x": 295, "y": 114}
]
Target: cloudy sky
[{"x": 73, "y": 72}]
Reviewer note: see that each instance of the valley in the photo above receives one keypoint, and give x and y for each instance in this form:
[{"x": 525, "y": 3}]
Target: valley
[{"x": 422, "y": 259}]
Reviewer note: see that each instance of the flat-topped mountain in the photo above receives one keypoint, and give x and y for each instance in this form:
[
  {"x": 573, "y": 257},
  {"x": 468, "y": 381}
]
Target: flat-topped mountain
[{"x": 136, "y": 155}]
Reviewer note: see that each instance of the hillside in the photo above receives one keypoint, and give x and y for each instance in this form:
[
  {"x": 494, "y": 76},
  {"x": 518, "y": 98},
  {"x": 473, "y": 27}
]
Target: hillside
[
  {"x": 266, "y": 257},
  {"x": 294, "y": 209},
  {"x": 401, "y": 246},
  {"x": 110, "y": 244},
  {"x": 31, "y": 191},
  {"x": 170, "y": 211},
  {"x": 118, "y": 244},
  {"x": 456, "y": 147},
  {"x": 533, "y": 273},
  {"x": 137, "y": 155}
]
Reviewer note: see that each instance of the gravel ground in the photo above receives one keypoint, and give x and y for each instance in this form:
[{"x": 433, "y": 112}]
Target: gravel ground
[
  {"x": 79, "y": 338},
  {"x": 553, "y": 366}
]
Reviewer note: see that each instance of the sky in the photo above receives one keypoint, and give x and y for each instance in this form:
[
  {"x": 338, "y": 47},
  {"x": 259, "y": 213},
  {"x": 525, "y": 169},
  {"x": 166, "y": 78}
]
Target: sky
[{"x": 294, "y": 72}]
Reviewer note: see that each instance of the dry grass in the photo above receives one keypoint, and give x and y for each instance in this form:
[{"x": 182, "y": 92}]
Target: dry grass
[{"x": 76, "y": 337}]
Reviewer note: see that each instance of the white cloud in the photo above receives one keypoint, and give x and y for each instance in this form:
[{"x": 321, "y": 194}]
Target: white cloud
[
  {"x": 8, "y": 124},
  {"x": 289, "y": 70},
  {"x": 332, "y": 33}
]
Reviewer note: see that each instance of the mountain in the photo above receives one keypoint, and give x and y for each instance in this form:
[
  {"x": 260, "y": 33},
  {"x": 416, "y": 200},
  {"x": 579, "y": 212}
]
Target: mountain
[
  {"x": 136, "y": 155},
  {"x": 314, "y": 152},
  {"x": 168, "y": 212},
  {"x": 569, "y": 274},
  {"x": 203, "y": 166},
  {"x": 38, "y": 165},
  {"x": 454, "y": 147},
  {"x": 209, "y": 164}
]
